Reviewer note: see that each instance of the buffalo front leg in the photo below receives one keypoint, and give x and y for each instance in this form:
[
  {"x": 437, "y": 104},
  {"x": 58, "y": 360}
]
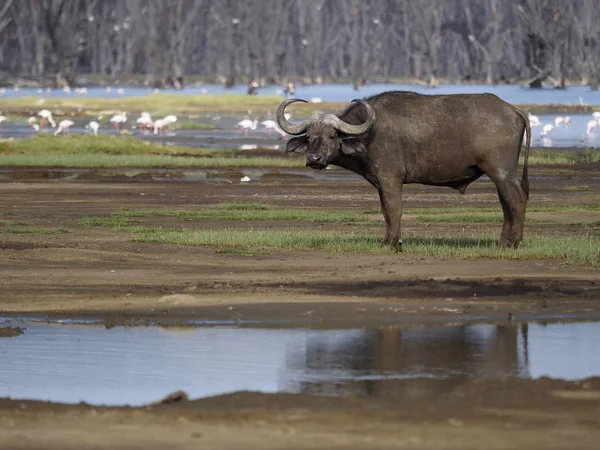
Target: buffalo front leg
[{"x": 391, "y": 205}]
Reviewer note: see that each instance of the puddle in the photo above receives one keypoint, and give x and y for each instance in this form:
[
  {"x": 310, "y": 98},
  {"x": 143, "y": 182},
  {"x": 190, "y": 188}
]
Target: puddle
[{"x": 136, "y": 365}]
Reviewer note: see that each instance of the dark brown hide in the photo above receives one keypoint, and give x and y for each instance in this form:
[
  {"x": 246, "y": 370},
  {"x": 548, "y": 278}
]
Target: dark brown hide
[{"x": 440, "y": 140}]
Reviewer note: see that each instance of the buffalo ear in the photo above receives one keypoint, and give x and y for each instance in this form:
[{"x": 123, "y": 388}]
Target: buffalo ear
[
  {"x": 353, "y": 145},
  {"x": 297, "y": 145}
]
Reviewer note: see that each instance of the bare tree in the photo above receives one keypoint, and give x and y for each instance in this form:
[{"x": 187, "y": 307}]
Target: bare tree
[{"x": 272, "y": 41}]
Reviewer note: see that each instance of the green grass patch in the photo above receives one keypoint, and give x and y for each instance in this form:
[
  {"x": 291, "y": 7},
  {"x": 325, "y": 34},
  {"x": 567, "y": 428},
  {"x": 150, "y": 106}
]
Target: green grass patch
[
  {"x": 160, "y": 104},
  {"x": 251, "y": 240},
  {"x": 232, "y": 211},
  {"x": 576, "y": 188},
  {"x": 194, "y": 126},
  {"x": 111, "y": 221},
  {"x": 491, "y": 209},
  {"x": 8, "y": 223},
  {"x": 548, "y": 157},
  {"x": 466, "y": 210},
  {"x": 461, "y": 218},
  {"x": 36, "y": 230},
  {"x": 45, "y": 144},
  {"x": 581, "y": 249},
  {"x": 123, "y": 151},
  {"x": 250, "y": 206},
  {"x": 243, "y": 251}
]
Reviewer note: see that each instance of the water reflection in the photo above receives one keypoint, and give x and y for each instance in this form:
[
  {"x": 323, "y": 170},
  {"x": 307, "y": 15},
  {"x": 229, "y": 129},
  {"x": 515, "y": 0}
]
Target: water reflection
[
  {"x": 326, "y": 366},
  {"x": 136, "y": 365}
]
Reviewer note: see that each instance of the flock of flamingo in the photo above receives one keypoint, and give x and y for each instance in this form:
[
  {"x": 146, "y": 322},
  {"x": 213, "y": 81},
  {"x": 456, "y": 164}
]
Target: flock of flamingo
[
  {"x": 144, "y": 123},
  {"x": 559, "y": 121}
]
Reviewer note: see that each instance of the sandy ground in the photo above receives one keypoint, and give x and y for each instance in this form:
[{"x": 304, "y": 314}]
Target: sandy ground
[{"x": 97, "y": 272}]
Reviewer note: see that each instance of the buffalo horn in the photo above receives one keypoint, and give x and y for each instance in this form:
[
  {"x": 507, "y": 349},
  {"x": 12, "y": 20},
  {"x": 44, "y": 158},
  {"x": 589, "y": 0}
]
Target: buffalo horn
[
  {"x": 352, "y": 130},
  {"x": 285, "y": 124}
]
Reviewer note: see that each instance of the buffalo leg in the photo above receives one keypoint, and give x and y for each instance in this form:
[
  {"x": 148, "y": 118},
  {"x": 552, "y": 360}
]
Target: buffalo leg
[
  {"x": 391, "y": 205},
  {"x": 514, "y": 202}
]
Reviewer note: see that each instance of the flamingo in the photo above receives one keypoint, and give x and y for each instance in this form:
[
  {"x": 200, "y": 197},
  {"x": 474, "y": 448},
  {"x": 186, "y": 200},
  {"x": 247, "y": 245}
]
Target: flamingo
[
  {"x": 596, "y": 115},
  {"x": 2, "y": 119},
  {"x": 169, "y": 120},
  {"x": 558, "y": 121},
  {"x": 159, "y": 125},
  {"x": 93, "y": 125},
  {"x": 567, "y": 121},
  {"x": 46, "y": 116},
  {"x": 118, "y": 119},
  {"x": 271, "y": 125},
  {"x": 64, "y": 125},
  {"x": 592, "y": 125},
  {"x": 534, "y": 121},
  {"x": 32, "y": 121},
  {"x": 546, "y": 129},
  {"x": 246, "y": 125},
  {"x": 145, "y": 121}
]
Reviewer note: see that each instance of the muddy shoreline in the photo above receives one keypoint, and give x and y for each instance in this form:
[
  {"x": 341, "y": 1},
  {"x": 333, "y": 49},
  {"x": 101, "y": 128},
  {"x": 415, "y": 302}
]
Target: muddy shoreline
[{"x": 420, "y": 413}]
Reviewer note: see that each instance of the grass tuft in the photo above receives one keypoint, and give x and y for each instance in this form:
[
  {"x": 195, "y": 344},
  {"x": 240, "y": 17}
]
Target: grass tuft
[
  {"x": 36, "y": 230},
  {"x": 112, "y": 221},
  {"x": 252, "y": 212},
  {"x": 461, "y": 218}
]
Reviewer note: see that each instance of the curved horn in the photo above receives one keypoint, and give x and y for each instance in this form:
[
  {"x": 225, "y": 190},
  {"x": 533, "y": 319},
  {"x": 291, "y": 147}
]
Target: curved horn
[
  {"x": 349, "y": 129},
  {"x": 285, "y": 124}
]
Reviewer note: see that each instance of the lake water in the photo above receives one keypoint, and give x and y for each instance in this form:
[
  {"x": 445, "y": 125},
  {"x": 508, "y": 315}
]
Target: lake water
[
  {"x": 227, "y": 136},
  {"x": 573, "y": 95},
  {"x": 137, "y": 365}
]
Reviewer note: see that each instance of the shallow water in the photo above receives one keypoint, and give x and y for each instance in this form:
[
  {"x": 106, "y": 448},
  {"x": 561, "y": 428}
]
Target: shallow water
[
  {"x": 345, "y": 92},
  {"x": 228, "y": 137},
  {"x": 136, "y": 365}
]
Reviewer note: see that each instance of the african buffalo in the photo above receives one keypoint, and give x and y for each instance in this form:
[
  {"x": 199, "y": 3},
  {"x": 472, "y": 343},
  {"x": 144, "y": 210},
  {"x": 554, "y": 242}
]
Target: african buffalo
[{"x": 399, "y": 137}]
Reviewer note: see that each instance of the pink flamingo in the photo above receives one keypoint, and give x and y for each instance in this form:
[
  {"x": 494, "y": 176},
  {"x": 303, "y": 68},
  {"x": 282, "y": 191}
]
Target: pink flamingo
[
  {"x": 246, "y": 125},
  {"x": 64, "y": 125},
  {"x": 46, "y": 116},
  {"x": 118, "y": 119},
  {"x": 271, "y": 125}
]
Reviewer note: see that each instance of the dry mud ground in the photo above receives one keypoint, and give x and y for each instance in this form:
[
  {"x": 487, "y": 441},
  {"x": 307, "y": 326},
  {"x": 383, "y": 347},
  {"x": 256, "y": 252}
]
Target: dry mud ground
[{"x": 98, "y": 272}]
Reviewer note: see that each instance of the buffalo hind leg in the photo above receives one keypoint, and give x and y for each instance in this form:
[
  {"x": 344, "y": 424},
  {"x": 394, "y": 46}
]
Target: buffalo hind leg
[
  {"x": 514, "y": 202},
  {"x": 391, "y": 205}
]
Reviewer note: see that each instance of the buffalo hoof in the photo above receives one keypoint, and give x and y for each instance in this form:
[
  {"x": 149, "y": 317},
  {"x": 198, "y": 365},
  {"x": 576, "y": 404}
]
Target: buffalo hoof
[
  {"x": 397, "y": 246},
  {"x": 509, "y": 244}
]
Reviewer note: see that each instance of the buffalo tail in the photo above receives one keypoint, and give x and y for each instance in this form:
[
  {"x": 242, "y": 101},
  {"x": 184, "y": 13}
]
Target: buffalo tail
[{"x": 524, "y": 177}]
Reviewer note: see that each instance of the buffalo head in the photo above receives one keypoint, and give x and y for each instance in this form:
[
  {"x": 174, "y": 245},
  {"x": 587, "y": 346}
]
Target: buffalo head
[{"x": 324, "y": 136}]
